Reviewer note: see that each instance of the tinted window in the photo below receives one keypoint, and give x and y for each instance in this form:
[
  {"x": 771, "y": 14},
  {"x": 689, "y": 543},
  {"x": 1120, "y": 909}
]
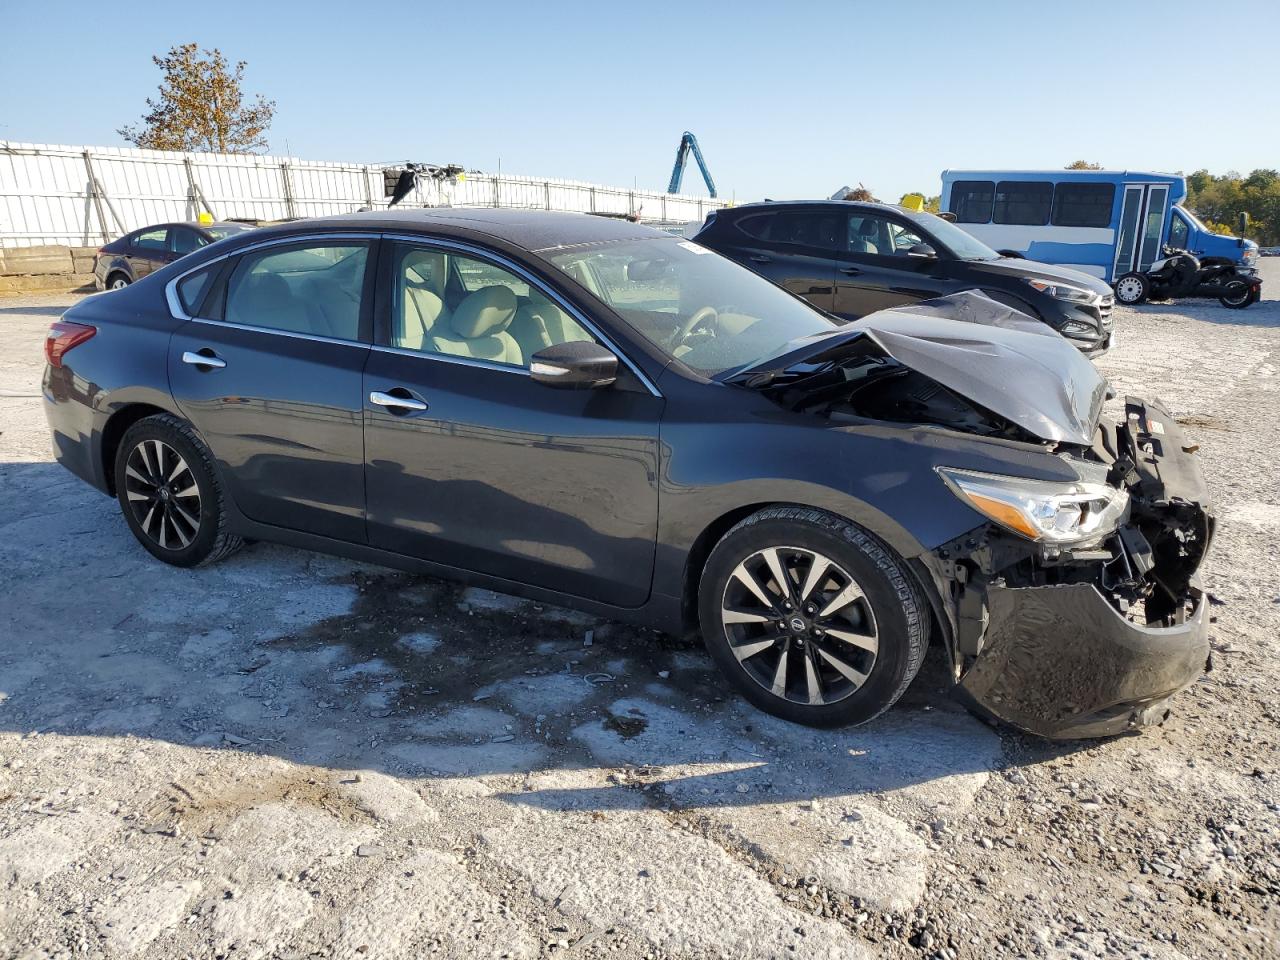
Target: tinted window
[
  {"x": 157, "y": 239},
  {"x": 1023, "y": 202},
  {"x": 466, "y": 307},
  {"x": 971, "y": 200},
  {"x": 1083, "y": 204},
  {"x": 757, "y": 226},
  {"x": 1178, "y": 232},
  {"x": 822, "y": 230},
  {"x": 312, "y": 288},
  {"x": 191, "y": 289},
  {"x": 184, "y": 240},
  {"x": 879, "y": 236}
]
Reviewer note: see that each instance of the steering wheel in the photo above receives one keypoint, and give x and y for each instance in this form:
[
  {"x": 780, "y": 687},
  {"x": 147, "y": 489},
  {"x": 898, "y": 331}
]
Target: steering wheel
[{"x": 700, "y": 316}]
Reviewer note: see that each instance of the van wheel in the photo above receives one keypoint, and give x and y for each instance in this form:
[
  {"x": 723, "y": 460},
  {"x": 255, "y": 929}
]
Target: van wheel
[
  {"x": 1132, "y": 288},
  {"x": 170, "y": 493},
  {"x": 811, "y": 617}
]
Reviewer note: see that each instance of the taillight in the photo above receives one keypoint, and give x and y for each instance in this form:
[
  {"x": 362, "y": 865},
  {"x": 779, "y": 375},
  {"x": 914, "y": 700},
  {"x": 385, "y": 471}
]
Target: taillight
[{"x": 63, "y": 335}]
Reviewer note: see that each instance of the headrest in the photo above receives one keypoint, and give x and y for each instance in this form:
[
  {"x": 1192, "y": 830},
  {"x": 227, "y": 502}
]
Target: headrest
[
  {"x": 423, "y": 266},
  {"x": 868, "y": 228},
  {"x": 269, "y": 290},
  {"x": 485, "y": 313}
]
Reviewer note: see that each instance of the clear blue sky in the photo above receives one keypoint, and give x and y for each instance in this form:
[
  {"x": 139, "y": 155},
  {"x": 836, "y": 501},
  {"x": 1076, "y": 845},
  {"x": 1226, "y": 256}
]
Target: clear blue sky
[{"x": 788, "y": 99}]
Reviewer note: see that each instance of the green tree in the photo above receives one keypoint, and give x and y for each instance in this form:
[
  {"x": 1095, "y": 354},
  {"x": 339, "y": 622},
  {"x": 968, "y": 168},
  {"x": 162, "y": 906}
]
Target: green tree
[
  {"x": 201, "y": 107},
  {"x": 1219, "y": 201},
  {"x": 1082, "y": 165}
]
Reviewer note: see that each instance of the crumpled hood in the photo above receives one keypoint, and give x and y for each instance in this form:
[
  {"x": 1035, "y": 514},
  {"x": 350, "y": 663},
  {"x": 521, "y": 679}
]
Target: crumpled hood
[{"x": 999, "y": 358}]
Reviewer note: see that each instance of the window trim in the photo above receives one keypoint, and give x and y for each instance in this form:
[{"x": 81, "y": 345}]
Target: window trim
[{"x": 382, "y": 319}]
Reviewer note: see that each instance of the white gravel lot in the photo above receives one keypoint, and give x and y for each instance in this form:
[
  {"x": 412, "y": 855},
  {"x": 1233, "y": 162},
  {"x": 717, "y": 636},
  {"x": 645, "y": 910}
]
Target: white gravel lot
[{"x": 290, "y": 755}]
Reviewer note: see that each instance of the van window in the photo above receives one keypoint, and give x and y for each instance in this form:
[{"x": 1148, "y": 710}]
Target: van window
[
  {"x": 1178, "y": 231},
  {"x": 1023, "y": 202},
  {"x": 971, "y": 200},
  {"x": 1083, "y": 204}
]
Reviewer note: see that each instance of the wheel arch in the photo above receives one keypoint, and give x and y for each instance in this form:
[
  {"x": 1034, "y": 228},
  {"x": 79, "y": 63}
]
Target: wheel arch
[{"x": 114, "y": 430}]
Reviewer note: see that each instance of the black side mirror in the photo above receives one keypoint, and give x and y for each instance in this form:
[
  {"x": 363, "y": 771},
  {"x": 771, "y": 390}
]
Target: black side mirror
[
  {"x": 579, "y": 365},
  {"x": 921, "y": 250},
  {"x": 1242, "y": 226}
]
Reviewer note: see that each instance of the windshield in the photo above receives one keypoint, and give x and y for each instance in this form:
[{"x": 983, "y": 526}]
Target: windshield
[
  {"x": 1193, "y": 219},
  {"x": 692, "y": 303},
  {"x": 964, "y": 245}
]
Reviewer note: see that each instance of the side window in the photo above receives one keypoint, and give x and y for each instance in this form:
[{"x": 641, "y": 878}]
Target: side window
[
  {"x": 819, "y": 230},
  {"x": 1178, "y": 231},
  {"x": 157, "y": 239},
  {"x": 309, "y": 288},
  {"x": 1083, "y": 204},
  {"x": 182, "y": 240},
  {"x": 972, "y": 200},
  {"x": 756, "y": 227},
  {"x": 1023, "y": 202},
  {"x": 497, "y": 316},
  {"x": 879, "y": 236},
  {"x": 192, "y": 288}
]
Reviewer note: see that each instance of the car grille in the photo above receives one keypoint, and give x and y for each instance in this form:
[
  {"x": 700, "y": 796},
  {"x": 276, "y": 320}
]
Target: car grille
[{"x": 1105, "y": 306}]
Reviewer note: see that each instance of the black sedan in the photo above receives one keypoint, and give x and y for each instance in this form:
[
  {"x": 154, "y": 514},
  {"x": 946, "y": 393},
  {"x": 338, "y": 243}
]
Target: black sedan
[
  {"x": 852, "y": 259},
  {"x": 133, "y": 256},
  {"x": 592, "y": 413}
]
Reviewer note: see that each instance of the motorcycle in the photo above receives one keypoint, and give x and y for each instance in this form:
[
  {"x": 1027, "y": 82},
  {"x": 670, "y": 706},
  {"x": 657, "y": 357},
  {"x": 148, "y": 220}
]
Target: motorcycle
[{"x": 1179, "y": 274}]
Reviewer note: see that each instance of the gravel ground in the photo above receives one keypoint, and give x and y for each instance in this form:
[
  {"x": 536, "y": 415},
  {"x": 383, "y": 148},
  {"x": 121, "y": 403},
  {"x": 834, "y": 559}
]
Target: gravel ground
[{"x": 289, "y": 755}]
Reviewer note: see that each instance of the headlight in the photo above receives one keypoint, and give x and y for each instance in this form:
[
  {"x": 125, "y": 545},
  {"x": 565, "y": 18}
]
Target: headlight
[
  {"x": 1055, "y": 513},
  {"x": 1062, "y": 291}
]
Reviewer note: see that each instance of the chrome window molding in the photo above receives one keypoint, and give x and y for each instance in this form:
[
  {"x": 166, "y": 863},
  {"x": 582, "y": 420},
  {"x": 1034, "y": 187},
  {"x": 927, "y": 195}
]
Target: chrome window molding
[
  {"x": 275, "y": 331},
  {"x": 454, "y": 358},
  {"x": 534, "y": 282}
]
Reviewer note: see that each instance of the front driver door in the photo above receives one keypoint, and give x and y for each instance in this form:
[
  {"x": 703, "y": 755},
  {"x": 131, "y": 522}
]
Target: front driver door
[{"x": 485, "y": 470}]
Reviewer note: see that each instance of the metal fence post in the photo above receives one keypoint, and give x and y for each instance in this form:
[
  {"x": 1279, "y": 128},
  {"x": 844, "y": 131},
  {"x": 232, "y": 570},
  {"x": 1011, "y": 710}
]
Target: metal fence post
[
  {"x": 290, "y": 210},
  {"x": 194, "y": 193}
]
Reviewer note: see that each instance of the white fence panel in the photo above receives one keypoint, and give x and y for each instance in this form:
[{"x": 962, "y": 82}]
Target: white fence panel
[{"x": 75, "y": 195}]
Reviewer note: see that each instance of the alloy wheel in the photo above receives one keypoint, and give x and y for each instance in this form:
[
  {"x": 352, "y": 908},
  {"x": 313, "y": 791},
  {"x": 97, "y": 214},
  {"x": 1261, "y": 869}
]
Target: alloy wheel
[
  {"x": 800, "y": 625},
  {"x": 1129, "y": 290},
  {"x": 163, "y": 494},
  {"x": 119, "y": 283}
]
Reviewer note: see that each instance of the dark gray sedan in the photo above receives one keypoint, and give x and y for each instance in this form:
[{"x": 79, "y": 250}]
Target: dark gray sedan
[{"x": 592, "y": 413}]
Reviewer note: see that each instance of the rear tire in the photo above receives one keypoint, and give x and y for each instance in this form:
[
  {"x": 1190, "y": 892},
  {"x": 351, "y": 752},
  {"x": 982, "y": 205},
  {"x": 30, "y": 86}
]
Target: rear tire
[
  {"x": 170, "y": 493},
  {"x": 1132, "y": 289},
  {"x": 852, "y": 638},
  {"x": 117, "y": 281},
  {"x": 1235, "y": 300}
]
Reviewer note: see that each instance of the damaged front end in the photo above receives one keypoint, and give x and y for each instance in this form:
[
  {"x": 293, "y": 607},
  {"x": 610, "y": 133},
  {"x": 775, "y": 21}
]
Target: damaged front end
[
  {"x": 1093, "y": 638},
  {"x": 1075, "y": 610}
]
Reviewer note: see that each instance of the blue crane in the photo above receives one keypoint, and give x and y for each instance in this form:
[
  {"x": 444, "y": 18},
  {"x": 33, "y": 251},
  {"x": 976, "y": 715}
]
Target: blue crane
[{"x": 689, "y": 142}]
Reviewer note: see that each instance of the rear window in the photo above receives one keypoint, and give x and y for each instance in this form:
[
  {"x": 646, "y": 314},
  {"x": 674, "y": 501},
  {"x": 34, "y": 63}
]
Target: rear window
[
  {"x": 157, "y": 239},
  {"x": 757, "y": 226},
  {"x": 1023, "y": 202},
  {"x": 1083, "y": 204},
  {"x": 826, "y": 231},
  {"x": 192, "y": 288},
  {"x": 971, "y": 200}
]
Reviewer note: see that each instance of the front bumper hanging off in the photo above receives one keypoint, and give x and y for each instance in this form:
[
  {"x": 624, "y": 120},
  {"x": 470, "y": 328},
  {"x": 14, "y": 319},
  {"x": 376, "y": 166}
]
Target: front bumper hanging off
[{"x": 1097, "y": 646}]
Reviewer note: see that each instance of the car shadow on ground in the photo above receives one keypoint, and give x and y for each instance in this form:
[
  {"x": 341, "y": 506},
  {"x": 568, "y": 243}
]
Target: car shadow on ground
[
  {"x": 339, "y": 665},
  {"x": 1265, "y": 313},
  {"x": 45, "y": 311}
]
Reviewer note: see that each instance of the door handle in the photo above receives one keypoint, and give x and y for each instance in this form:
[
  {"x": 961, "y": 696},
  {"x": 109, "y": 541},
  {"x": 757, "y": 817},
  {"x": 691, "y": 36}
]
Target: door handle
[
  {"x": 210, "y": 360},
  {"x": 380, "y": 399},
  {"x": 850, "y": 271},
  {"x": 761, "y": 259}
]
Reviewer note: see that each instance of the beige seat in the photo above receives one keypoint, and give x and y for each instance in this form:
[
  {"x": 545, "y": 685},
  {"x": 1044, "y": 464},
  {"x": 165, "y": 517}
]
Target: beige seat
[
  {"x": 478, "y": 328},
  {"x": 421, "y": 299},
  {"x": 538, "y": 323}
]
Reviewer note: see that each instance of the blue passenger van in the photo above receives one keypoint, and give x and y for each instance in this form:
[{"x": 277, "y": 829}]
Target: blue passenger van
[{"x": 1102, "y": 222}]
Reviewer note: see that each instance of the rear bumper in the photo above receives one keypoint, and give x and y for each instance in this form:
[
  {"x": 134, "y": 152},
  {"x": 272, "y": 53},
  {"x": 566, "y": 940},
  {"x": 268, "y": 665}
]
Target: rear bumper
[{"x": 1061, "y": 662}]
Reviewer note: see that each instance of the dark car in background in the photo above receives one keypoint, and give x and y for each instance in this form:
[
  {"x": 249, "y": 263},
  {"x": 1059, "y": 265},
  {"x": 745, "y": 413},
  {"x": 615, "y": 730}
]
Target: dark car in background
[
  {"x": 852, "y": 259},
  {"x": 133, "y": 256},
  {"x": 592, "y": 413}
]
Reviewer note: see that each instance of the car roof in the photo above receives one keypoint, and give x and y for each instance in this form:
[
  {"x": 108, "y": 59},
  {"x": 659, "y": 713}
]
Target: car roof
[
  {"x": 533, "y": 230},
  {"x": 863, "y": 205}
]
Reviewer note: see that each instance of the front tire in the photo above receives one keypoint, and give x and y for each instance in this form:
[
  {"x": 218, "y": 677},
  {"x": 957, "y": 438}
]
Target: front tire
[
  {"x": 170, "y": 493},
  {"x": 811, "y": 617},
  {"x": 1132, "y": 289}
]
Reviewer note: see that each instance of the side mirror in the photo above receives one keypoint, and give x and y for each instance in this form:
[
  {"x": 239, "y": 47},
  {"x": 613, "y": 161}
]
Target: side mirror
[
  {"x": 1242, "y": 226},
  {"x": 921, "y": 250},
  {"x": 579, "y": 365}
]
